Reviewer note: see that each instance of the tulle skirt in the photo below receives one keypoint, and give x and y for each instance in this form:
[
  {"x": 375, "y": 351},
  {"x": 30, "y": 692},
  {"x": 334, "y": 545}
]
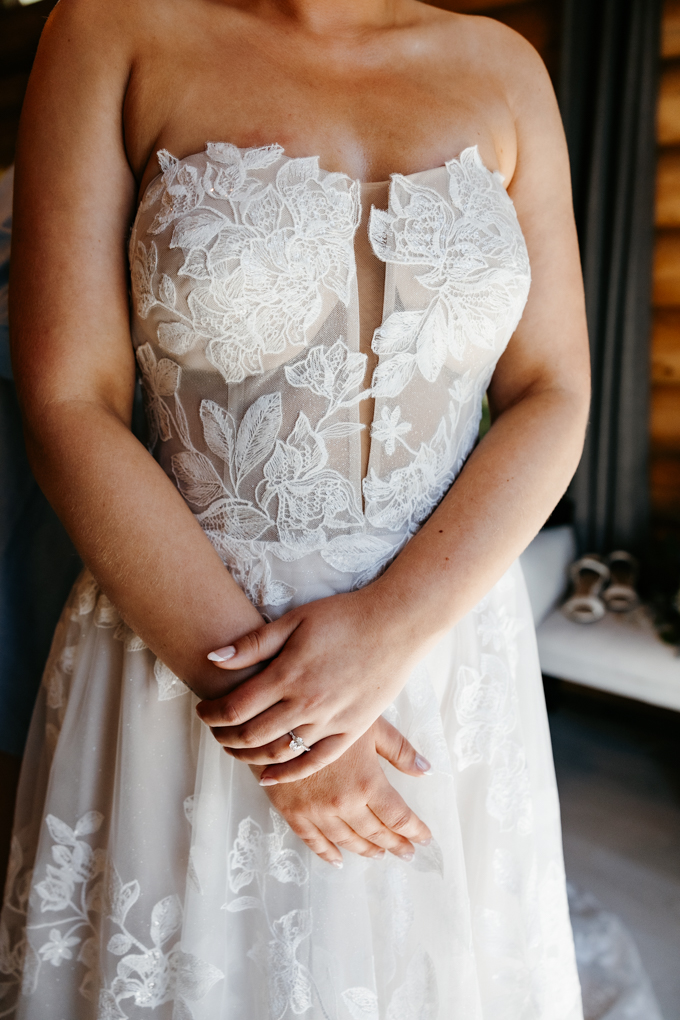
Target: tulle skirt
[{"x": 150, "y": 877}]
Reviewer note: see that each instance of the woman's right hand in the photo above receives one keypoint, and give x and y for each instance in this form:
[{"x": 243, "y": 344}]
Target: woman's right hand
[{"x": 351, "y": 805}]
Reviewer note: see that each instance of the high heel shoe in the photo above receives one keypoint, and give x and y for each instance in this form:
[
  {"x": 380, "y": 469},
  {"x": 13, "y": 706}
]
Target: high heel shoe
[
  {"x": 620, "y": 595},
  {"x": 589, "y": 576}
]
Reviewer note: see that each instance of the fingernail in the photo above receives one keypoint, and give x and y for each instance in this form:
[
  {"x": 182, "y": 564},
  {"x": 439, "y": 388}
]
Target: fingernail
[
  {"x": 266, "y": 781},
  {"x": 425, "y": 842},
  {"x": 406, "y": 857},
  {"x": 379, "y": 855},
  {"x": 222, "y": 654},
  {"x": 337, "y": 864},
  {"x": 421, "y": 763}
]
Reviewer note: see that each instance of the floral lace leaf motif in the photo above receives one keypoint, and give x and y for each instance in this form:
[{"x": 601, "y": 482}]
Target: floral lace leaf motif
[
  {"x": 352, "y": 553},
  {"x": 256, "y": 853},
  {"x": 122, "y": 896},
  {"x": 391, "y": 377},
  {"x": 429, "y": 858},
  {"x": 417, "y": 997},
  {"x": 196, "y": 229},
  {"x": 398, "y": 333},
  {"x": 176, "y": 337},
  {"x": 242, "y": 521},
  {"x": 257, "y": 433},
  {"x": 219, "y": 430},
  {"x": 169, "y": 685},
  {"x": 108, "y": 1008},
  {"x": 361, "y": 1003},
  {"x": 243, "y": 903},
  {"x": 166, "y": 919},
  {"x": 119, "y": 944},
  {"x": 289, "y": 984},
  {"x": 196, "y": 478}
]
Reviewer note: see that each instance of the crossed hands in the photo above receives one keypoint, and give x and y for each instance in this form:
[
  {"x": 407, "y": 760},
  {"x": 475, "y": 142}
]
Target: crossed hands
[{"x": 336, "y": 664}]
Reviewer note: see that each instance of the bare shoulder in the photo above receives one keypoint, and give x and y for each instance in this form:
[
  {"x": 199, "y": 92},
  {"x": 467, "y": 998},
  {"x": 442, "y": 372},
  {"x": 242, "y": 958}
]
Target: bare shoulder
[
  {"x": 496, "y": 51},
  {"x": 106, "y": 34},
  {"x": 96, "y": 23},
  {"x": 521, "y": 77}
]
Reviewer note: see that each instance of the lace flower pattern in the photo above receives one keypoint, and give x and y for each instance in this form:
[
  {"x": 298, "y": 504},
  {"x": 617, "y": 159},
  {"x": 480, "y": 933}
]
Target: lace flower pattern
[
  {"x": 260, "y": 254},
  {"x": 469, "y": 257},
  {"x": 255, "y": 857},
  {"x": 242, "y": 264}
]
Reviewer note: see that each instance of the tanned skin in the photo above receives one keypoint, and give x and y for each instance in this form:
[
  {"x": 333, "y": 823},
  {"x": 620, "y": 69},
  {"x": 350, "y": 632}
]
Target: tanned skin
[{"x": 372, "y": 87}]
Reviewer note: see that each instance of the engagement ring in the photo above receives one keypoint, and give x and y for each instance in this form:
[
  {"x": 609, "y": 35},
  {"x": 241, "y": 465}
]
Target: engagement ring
[{"x": 297, "y": 743}]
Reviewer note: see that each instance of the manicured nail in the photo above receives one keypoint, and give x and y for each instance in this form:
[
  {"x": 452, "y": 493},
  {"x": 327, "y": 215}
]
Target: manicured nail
[
  {"x": 267, "y": 781},
  {"x": 337, "y": 864},
  {"x": 379, "y": 856},
  {"x": 406, "y": 857},
  {"x": 222, "y": 654},
  {"x": 421, "y": 763},
  {"x": 425, "y": 842}
]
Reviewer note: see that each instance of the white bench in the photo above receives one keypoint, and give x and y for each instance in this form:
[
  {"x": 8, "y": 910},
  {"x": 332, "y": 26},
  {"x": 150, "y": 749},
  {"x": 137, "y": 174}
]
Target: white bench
[{"x": 621, "y": 654}]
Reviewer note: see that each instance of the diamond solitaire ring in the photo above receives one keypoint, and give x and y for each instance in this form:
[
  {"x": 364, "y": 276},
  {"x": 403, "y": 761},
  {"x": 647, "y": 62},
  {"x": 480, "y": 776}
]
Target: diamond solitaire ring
[{"x": 297, "y": 743}]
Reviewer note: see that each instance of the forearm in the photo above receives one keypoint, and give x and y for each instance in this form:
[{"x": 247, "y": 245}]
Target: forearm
[
  {"x": 506, "y": 491},
  {"x": 140, "y": 540}
]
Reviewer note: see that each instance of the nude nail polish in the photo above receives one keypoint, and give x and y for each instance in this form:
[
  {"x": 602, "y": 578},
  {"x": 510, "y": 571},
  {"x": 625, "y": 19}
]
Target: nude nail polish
[
  {"x": 424, "y": 765},
  {"x": 425, "y": 842},
  {"x": 337, "y": 864},
  {"x": 268, "y": 782},
  {"x": 406, "y": 857},
  {"x": 222, "y": 654}
]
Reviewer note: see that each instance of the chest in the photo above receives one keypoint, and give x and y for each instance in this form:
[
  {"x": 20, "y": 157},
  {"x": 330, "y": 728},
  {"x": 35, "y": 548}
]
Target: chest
[{"x": 366, "y": 110}]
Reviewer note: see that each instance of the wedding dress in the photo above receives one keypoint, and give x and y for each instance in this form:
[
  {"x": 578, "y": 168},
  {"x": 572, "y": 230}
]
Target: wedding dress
[{"x": 150, "y": 876}]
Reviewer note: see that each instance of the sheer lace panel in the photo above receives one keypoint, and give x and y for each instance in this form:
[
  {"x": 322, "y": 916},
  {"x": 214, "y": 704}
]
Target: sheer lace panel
[{"x": 251, "y": 328}]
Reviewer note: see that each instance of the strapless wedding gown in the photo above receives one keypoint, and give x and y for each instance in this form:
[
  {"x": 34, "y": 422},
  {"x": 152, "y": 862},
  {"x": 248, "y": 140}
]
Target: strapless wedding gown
[{"x": 149, "y": 875}]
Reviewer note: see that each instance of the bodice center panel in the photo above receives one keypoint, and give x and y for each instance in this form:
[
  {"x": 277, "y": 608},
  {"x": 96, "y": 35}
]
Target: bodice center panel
[{"x": 280, "y": 333}]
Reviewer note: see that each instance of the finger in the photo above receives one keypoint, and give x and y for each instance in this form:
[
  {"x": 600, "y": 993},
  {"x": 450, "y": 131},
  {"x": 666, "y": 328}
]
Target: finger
[
  {"x": 317, "y": 842},
  {"x": 321, "y": 754},
  {"x": 394, "y": 812},
  {"x": 277, "y": 751},
  {"x": 269, "y": 726},
  {"x": 369, "y": 826},
  {"x": 343, "y": 835},
  {"x": 395, "y": 748},
  {"x": 257, "y": 645},
  {"x": 246, "y": 701}
]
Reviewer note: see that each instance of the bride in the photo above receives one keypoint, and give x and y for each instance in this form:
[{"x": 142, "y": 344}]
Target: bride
[{"x": 290, "y": 755}]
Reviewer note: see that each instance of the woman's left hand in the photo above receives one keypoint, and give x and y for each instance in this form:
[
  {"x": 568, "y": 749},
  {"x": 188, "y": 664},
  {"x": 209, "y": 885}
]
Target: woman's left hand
[{"x": 336, "y": 665}]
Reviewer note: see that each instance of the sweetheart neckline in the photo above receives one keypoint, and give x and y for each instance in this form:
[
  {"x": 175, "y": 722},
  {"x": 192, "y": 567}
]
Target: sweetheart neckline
[{"x": 284, "y": 155}]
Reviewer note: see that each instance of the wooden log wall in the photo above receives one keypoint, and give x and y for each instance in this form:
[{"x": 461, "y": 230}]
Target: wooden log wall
[{"x": 665, "y": 412}]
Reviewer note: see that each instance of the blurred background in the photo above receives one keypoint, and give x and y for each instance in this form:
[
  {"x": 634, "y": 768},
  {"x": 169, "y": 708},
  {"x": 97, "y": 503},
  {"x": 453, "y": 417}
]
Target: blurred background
[{"x": 612, "y": 687}]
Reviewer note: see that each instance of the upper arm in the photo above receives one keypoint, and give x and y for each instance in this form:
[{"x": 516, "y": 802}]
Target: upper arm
[
  {"x": 550, "y": 346},
  {"x": 74, "y": 196}
]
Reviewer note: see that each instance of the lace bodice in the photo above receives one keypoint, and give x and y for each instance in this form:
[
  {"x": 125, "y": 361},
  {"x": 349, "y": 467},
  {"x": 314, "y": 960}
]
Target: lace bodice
[{"x": 247, "y": 332}]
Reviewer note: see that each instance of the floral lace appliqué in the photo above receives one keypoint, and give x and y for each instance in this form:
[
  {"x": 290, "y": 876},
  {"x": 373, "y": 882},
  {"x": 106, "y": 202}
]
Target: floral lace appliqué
[
  {"x": 260, "y": 255},
  {"x": 255, "y": 857},
  {"x": 468, "y": 253},
  {"x": 243, "y": 266}
]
